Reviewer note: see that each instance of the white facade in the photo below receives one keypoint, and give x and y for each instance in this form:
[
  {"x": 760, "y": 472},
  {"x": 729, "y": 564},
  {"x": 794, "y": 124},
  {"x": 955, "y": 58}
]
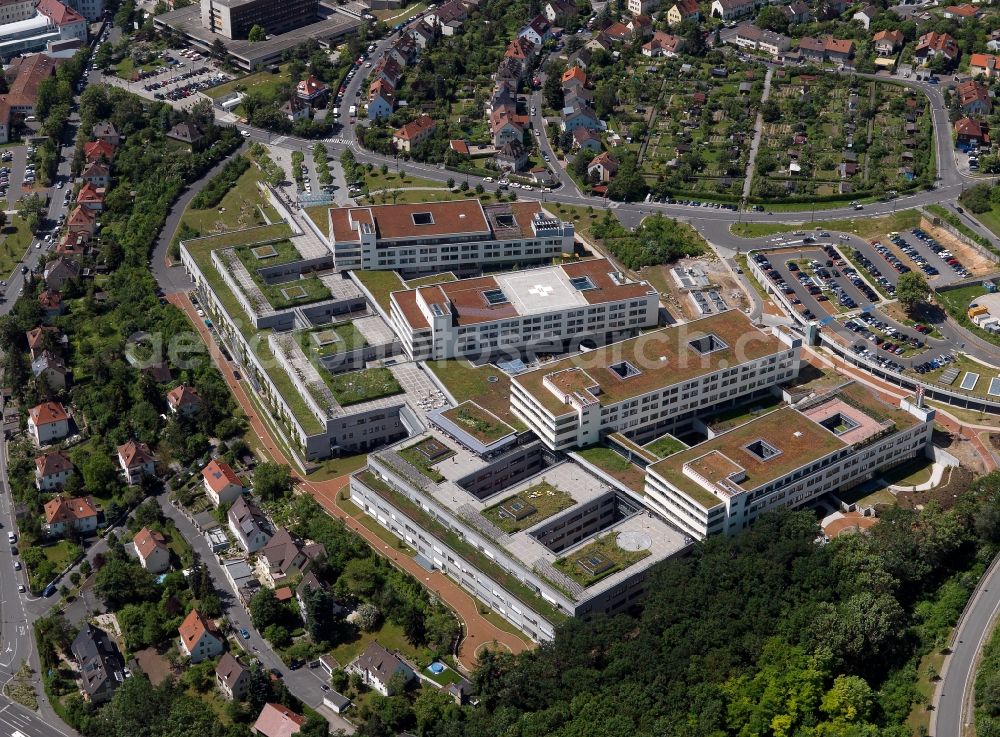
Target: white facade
[
  {"x": 48, "y": 432},
  {"x": 359, "y": 241},
  {"x": 735, "y": 508},
  {"x": 587, "y": 411},
  {"x": 441, "y": 331}
]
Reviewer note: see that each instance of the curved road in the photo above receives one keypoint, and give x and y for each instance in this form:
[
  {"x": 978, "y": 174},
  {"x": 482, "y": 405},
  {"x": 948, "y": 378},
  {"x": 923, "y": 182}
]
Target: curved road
[{"x": 953, "y": 699}]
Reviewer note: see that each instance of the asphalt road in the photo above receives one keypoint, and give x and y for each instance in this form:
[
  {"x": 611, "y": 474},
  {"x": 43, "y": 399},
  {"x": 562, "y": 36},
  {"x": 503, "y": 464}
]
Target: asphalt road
[{"x": 953, "y": 698}]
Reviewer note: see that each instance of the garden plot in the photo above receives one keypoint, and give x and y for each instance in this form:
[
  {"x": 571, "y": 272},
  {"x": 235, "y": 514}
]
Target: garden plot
[{"x": 830, "y": 137}]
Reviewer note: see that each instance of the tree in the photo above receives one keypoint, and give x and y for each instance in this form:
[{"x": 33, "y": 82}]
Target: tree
[
  {"x": 368, "y": 617},
  {"x": 122, "y": 581},
  {"x": 257, "y": 34},
  {"x": 772, "y": 19},
  {"x": 911, "y": 290},
  {"x": 272, "y": 481},
  {"x": 265, "y": 609}
]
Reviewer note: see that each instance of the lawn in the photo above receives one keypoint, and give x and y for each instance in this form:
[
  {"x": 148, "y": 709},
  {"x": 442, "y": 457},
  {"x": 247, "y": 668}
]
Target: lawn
[
  {"x": 337, "y": 467},
  {"x": 583, "y": 218},
  {"x": 240, "y": 208},
  {"x": 16, "y": 240},
  {"x": 294, "y": 293},
  {"x": 742, "y": 414},
  {"x": 615, "y": 465},
  {"x": 326, "y": 340},
  {"x": 598, "y": 560},
  {"x": 426, "y": 281},
  {"x": 61, "y": 553},
  {"x": 319, "y": 214},
  {"x": 862, "y": 227},
  {"x": 389, "y": 635},
  {"x": 665, "y": 445},
  {"x": 412, "y": 455},
  {"x": 487, "y": 385},
  {"x": 527, "y": 508},
  {"x": 398, "y": 180},
  {"x": 126, "y": 67},
  {"x": 481, "y": 424},
  {"x": 362, "y": 386},
  {"x": 410, "y": 196},
  {"x": 380, "y": 284},
  {"x": 267, "y": 83}
]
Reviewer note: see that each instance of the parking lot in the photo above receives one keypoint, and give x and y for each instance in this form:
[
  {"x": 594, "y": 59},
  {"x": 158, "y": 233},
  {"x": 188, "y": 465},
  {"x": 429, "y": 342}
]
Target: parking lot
[{"x": 185, "y": 74}]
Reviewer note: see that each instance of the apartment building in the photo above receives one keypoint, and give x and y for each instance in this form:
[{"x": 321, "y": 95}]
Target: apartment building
[
  {"x": 506, "y": 313},
  {"x": 445, "y": 236},
  {"x": 657, "y": 382},
  {"x": 786, "y": 458}
]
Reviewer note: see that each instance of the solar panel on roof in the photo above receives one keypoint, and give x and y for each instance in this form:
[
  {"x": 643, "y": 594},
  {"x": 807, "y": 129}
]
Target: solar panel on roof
[
  {"x": 969, "y": 381},
  {"x": 495, "y": 297}
]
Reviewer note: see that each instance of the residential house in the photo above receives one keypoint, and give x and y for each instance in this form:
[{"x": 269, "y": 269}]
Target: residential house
[
  {"x": 749, "y": 36},
  {"x": 866, "y": 15},
  {"x": 797, "y": 12},
  {"x": 249, "y": 525},
  {"x": 683, "y": 10},
  {"x": 968, "y": 131},
  {"x": 82, "y": 220},
  {"x": 183, "y": 400},
  {"x": 48, "y": 422},
  {"x": 285, "y": 555},
  {"x": 91, "y": 197},
  {"x": 276, "y": 720},
  {"x": 586, "y": 140},
  {"x": 973, "y": 98},
  {"x": 559, "y": 12},
  {"x": 513, "y": 156},
  {"x": 44, "y": 337},
  {"x": 986, "y": 65},
  {"x": 962, "y": 12},
  {"x": 599, "y": 42},
  {"x": 73, "y": 244},
  {"x": 99, "y": 662},
  {"x": 574, "y": 77},
  {"x": 422, "y": 34},
  {"x": 200, "y": 637},
  {"x": 308, "y": 583},
  {"x": 663, "y": 44},
  {"x": 78, "y": 514},
  {"x": 731, "y": 9},
  {"x": 604, "y": 165},
  {"x": 839, "y": 51},
  {"x": 50, "y": 369},
  {"x": 151, "y": 549},
  {"x": 98, "y": 151},
  {"x": 522, "y": 50},
  {"x": 503, "y": 129},
  {"x": 934, "y": 44},
  {"x": 136, "y": 461},
  {"x": 51, "y": 302},
  {"x": 105, "y": 132},
  {"x": 377, "y": 666},
  {"x": 24, "y": 76},
  {"x": 311, "y": 90},
  {"x": 574, "y": 117},
  {"x": 538, "y": 31},
  {"x": 580, "y": 58},
  {"x": 887, "y": 43},
  {"x": 642, "y": 7},
  {"x": 414, "y": 133},
  {"x": 52, "y": 470},
  {"x": 231, "y": 677},
  {"x": 448, "y": 16},
  {"x": 58, "y": 271},
  {"x": 97, "y": 173},
  {"x": 222, "y": 485},
  {"x": 404, "y": 51},
  {"x": 389, "y": 70},
  {"x": 381, "y": 99},
  {"x": 294, "y": 110},
  {"x": 188, "y": 134},
  {"x": 640, "y": 27},
  {"x": 617, "y": 32}
]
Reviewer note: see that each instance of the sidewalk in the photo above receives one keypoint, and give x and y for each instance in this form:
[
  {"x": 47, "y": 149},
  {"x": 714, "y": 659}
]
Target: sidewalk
[{"x": 477, "y": 629}]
